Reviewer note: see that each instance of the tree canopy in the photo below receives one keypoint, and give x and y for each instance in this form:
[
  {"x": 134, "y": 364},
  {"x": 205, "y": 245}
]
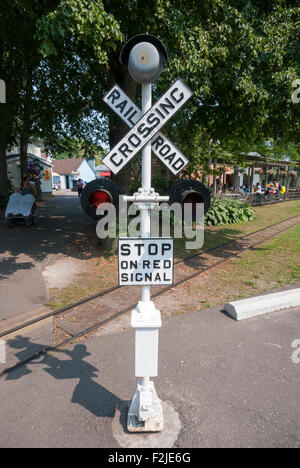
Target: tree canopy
[{"x": 239, "y": 57}]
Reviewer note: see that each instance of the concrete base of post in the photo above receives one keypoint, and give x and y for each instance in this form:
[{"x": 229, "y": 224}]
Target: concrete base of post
[{"x": 145, "y": 413}]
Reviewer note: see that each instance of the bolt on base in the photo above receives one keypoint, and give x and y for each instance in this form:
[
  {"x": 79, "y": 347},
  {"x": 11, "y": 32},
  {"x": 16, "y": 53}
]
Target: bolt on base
[{"x": 145, "y": 413}]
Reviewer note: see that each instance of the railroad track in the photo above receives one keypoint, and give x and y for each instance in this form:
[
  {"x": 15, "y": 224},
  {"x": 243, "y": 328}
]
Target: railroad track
[{"x": 95, "y": 311}]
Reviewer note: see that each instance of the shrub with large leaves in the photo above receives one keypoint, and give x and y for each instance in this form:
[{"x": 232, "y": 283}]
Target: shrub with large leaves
[{"x": 225, "y": 211}]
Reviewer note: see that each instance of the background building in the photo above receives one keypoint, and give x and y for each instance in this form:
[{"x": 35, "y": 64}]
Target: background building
[
  {"x": 67, "y": 171},
  {"x": 34, "y": 154}
]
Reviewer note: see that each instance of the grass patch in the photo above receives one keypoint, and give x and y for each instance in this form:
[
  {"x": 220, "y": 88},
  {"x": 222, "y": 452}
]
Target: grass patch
[
  {"x": 264, "y": 216},
  {"x": 272, "y": 265},
  {"x": 103, "y": 270}
]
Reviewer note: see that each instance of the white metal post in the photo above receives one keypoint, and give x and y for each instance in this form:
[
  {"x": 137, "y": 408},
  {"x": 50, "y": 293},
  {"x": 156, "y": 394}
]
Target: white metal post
[
  {"x": 146, "y": 178},
  {"x": 145, "y": 412}
]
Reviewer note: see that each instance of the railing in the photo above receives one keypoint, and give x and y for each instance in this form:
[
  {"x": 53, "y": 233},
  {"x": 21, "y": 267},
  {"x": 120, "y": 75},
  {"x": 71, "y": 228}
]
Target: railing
[{"x": 260, "y": 199}]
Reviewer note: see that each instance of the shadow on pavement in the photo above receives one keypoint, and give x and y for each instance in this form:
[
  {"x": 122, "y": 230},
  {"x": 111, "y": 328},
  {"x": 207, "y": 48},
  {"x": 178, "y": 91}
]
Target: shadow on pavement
[{"x": 70, "y": 364}]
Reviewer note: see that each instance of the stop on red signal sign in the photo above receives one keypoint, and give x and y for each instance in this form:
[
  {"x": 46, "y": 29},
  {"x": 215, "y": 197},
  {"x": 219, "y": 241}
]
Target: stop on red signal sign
[{"x": 145, "y": 261}]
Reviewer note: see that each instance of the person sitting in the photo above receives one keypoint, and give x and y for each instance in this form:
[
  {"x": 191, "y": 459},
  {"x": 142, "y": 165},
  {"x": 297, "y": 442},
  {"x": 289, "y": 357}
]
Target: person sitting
[
  {"x": 257, "y": 188},
  {"x": 269, "y": 189},
  {"x": 21, "y": 203},
  {"x": 276, "y": 187},
  {"x": 26, "y": 188}
]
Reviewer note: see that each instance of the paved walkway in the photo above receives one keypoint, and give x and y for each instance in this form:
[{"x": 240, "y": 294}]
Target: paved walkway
[
  {"x": 24, "y": 253},
  {"x": 233, "y": 384}
]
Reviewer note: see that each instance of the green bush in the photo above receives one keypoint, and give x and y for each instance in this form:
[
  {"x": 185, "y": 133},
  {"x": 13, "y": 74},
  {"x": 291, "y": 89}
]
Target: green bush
[
  {"x": 224, "y": 211},
  {"x": 134, "y": 186},
  {"x": 159, "y": 182}
]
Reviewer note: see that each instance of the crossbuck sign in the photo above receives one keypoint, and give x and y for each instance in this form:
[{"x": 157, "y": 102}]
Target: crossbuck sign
[{"x": 146, "y": 127}]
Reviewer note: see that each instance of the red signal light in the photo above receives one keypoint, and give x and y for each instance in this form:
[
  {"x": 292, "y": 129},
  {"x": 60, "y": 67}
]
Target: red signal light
[{"x": 98, "y": 197}]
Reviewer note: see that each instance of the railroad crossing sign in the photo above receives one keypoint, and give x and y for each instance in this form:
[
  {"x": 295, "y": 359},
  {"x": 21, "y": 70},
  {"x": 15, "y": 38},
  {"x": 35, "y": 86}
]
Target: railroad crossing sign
[
  {"x": 146, "y": 127},
  {"x": 146, "y": 260}
]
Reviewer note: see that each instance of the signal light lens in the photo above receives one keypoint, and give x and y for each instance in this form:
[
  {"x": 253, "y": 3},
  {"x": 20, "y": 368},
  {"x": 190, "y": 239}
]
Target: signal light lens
[
  {"x": 98, "y": 197},
  {"x": 193, "y": 198}
]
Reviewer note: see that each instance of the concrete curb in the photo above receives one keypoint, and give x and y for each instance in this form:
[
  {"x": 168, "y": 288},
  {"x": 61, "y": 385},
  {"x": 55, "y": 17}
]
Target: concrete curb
[{"x": 259, "y": 305}]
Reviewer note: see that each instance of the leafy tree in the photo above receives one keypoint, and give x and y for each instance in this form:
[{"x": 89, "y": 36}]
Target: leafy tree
[
  {"x": 47, "y": 81},
  {"x": 74, "y": 148},
  {"x": 240, "y": 58}
]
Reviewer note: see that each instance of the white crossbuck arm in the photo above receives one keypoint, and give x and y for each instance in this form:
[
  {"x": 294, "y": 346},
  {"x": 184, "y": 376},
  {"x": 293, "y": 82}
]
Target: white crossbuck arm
[{"x": 147, "y": 127}]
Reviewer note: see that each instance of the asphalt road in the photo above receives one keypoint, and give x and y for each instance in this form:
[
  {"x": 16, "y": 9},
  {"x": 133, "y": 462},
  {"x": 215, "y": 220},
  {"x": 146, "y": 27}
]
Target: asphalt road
[
  {"x": 24, "y": 253},
  {"x": 233, "y": 384}
]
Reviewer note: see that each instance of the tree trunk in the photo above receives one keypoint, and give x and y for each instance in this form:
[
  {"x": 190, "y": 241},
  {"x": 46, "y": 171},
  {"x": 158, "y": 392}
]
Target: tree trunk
[
  {"x": 4, "y": 129},
  {"x": 27, "y": 117},
  {"x": 3, "y": 174},
  {"x": 24, "y": 140}
]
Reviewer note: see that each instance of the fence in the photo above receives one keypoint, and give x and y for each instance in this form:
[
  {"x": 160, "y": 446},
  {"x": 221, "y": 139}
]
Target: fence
[{"x": 260, "y": 199}]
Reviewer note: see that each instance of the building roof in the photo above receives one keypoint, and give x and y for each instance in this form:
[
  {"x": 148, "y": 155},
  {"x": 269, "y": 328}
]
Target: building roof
[
  {"x": 16, "y": 157},
  {"x": 66, "y": 166},
  {"x": 261, "y": 160}
]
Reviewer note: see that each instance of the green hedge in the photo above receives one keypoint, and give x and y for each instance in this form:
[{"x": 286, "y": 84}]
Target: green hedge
[{"x": 224, "y": 211}]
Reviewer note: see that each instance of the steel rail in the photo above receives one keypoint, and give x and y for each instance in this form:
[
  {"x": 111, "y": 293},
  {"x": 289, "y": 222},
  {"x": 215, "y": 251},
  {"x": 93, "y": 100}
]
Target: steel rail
[{"x": 114, "y": 288}]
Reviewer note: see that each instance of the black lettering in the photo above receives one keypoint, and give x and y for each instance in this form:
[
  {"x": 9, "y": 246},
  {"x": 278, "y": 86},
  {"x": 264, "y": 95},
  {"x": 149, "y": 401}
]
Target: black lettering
[
  {"x": 128, "y": 112},
  {"x": 165, "y": 150},
  {"x": 158, "y": 142},
  {"x": 125, "y": 149},
  {"x": 156, "y": 264},
  {"x": 166, "y": 277},
  {"x": 179, "y": 98},
  {"x": 146, "y": 263},
  {"x": 144, "y": 131},
  {"x": 152, "y": 249},
  {"x": 153, "y": 121},
  {"x": 180, "y": 166},
  {"x": 166, "y": 247},
  {"x": 130, "y": 118},
  {"x": 167, "y": 264},
  {"x": 133, "y": 264},
  {"x": 167, "y": 106},
  {"x": 139, "y": 275},
  {"x": 122, "y": 105},
  {"x": 134, "y": 140},
  {"x": 170, "y": 157},
  {"x": 157, "y": 277},
  {"x": 124, "y": 277},
  {"x": 139, "y": 248},
  {"x": 148, "y": 276},
  {"x": 116, "y": 163},
  {"x": 159, "y": 112},
  {"x": 114, "y": 95},
  {"x": 124, "y": 264},
  {"x": 125, "y": 249}
]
